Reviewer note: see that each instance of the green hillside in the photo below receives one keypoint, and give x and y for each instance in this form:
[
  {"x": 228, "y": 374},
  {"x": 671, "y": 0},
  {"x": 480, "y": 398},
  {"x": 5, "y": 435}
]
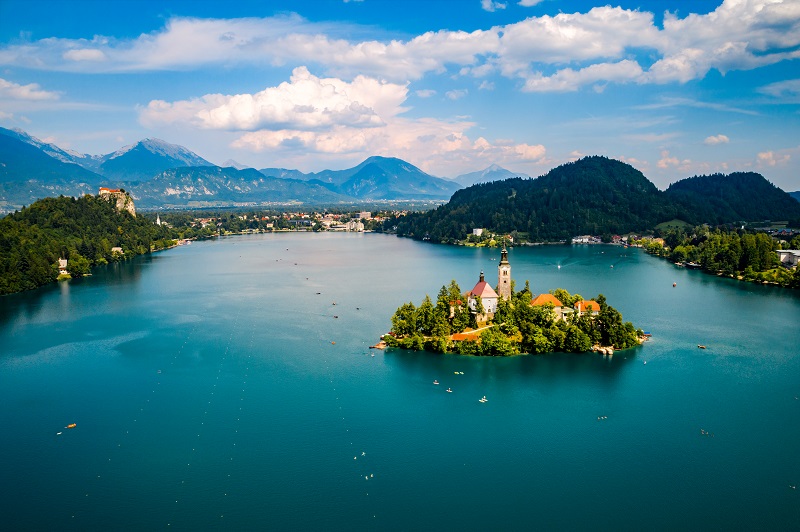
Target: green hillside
[
  {"x": 594, "y": 195},
  {"x": 597, "y": 196},
  {"x": 82, "y": 230},
  {"x": 740, "y": 196}
]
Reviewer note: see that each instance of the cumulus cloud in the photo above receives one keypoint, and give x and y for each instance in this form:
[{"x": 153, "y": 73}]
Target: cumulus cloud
[
  {"x": 32, "y": 91},
  {"x": 305, "y": 102},
  {"x": 425, "y": 93},
  {"x": 529, "y": 3},
  {"x": 490, "y": 5},
  {"x": 548, "y": 53},
  {"x": 310, "y": 116},
  {"x": 713, "y": 140}
]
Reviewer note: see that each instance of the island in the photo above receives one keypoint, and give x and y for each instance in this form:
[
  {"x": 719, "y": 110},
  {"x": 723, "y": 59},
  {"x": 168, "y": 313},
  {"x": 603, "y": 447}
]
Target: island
[{"x": 500, "y": 321}]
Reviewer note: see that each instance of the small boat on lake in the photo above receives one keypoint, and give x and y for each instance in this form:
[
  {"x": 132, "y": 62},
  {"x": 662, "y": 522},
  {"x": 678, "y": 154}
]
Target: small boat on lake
[
  {"x": 701, "y": 346},
  {"x": 72, "y": 425},
  {"x": 436, "y": 382}
]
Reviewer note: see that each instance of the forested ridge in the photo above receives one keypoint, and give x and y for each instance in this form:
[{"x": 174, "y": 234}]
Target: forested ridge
[
  {"x": 596, "y": 196},
  {"x": 82, "y": 230},
  {"x": 740, "y": 196}
]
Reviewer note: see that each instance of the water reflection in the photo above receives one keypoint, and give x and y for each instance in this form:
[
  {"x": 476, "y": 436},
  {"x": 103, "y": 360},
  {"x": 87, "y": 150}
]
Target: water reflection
[
  {"x": 552, "y": 369},
  {"x": 33, "y": 305}
]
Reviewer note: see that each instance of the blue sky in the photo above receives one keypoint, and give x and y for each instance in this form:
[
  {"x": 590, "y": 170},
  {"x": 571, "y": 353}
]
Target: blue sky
[{"x": 674, "y": 88}]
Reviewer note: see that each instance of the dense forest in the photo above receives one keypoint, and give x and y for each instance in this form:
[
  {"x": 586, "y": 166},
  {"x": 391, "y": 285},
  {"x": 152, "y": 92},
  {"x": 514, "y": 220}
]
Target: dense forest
[
  {"x": 595, "y": 196},
  {"x": 739, "y": 254},
  {"x": 518, "y": 327},
  {"x": 740, "y": 196},
  {"x": 82, "y": 230}
]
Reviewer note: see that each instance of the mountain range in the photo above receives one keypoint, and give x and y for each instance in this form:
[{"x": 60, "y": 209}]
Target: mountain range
[
  {"x": 597, "y": 193},
  {"x": 159, "y": 174},
  {"x": 386, "y": 178}
]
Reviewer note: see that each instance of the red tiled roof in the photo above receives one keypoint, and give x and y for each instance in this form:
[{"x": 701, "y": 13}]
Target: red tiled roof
[
  {"x": 542, "y": 299},
  {"x": 484, "y": 290},
  {"x": 587, "y": 306}
]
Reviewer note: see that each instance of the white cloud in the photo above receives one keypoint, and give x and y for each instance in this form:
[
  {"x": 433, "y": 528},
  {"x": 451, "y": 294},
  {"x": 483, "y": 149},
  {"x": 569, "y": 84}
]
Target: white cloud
[
  {"x": 713, "y": 140},
  {"x": 486, "y": 86},
  {"x": 602, "y": 33},
  {"x": 456, "y": 94},
  {"x": 771, "y": 158},
  {"x": 14, "y": 91},
  {"x": 85, "y": 54},
  {"x": 306, "y": 102},
  {"x": 670, "y": 161},
  {"x": 548, "y": 53},
  {"x": 571, "y": 80},
  {"x": 425, "y": 93},
  {"x": 789, "y": 89},
  {"x": 490, "y": 5}
]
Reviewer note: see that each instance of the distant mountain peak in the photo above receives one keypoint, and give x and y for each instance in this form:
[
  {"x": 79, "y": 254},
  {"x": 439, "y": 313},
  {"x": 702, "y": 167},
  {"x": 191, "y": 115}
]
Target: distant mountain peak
[
  {"x": 493, "y": 172},
  {"x": 162, "y": 147},
  {"x": 146, "y": 158},
  {"x": 230, "y": 163}
]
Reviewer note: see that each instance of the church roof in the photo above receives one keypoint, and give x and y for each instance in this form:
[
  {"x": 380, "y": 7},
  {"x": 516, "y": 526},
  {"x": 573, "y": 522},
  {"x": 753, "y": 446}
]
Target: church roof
[
  {"x": 484, "y": 290},
  {"x": 542, "y": 299}
]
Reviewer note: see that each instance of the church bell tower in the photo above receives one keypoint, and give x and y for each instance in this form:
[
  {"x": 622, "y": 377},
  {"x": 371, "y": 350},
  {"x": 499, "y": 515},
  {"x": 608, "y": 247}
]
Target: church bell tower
[{"x": 504, "y": 276}]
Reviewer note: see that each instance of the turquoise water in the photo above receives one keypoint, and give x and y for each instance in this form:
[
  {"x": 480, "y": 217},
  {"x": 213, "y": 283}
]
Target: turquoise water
[{"x": 214, "y": 388}]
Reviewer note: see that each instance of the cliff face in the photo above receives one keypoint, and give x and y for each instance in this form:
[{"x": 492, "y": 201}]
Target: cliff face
[{"x": 123, "y": 201}]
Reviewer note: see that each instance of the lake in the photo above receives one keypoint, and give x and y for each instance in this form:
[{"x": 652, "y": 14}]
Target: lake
[{"x": 229, "y": 385}]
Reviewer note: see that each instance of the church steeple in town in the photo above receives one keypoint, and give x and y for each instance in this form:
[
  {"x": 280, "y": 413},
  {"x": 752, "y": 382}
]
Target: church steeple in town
[{"x": 504, "y": 276}]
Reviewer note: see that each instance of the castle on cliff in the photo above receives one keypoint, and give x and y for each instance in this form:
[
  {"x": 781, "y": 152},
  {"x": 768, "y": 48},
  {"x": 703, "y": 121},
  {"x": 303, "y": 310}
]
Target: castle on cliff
[{"x": 123, "y": 201}]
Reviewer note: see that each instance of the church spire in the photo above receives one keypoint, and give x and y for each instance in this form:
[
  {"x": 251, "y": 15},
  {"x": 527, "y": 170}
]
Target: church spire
[{"x": 504, "y": 275}]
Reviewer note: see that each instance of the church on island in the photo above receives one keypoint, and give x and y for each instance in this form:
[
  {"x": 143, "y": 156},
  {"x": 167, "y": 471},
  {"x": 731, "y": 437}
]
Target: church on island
[
  {"x": 488, "y": 297},
  {"x": 493, "y": 321},
  {"x": 486, "y": 294}
]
